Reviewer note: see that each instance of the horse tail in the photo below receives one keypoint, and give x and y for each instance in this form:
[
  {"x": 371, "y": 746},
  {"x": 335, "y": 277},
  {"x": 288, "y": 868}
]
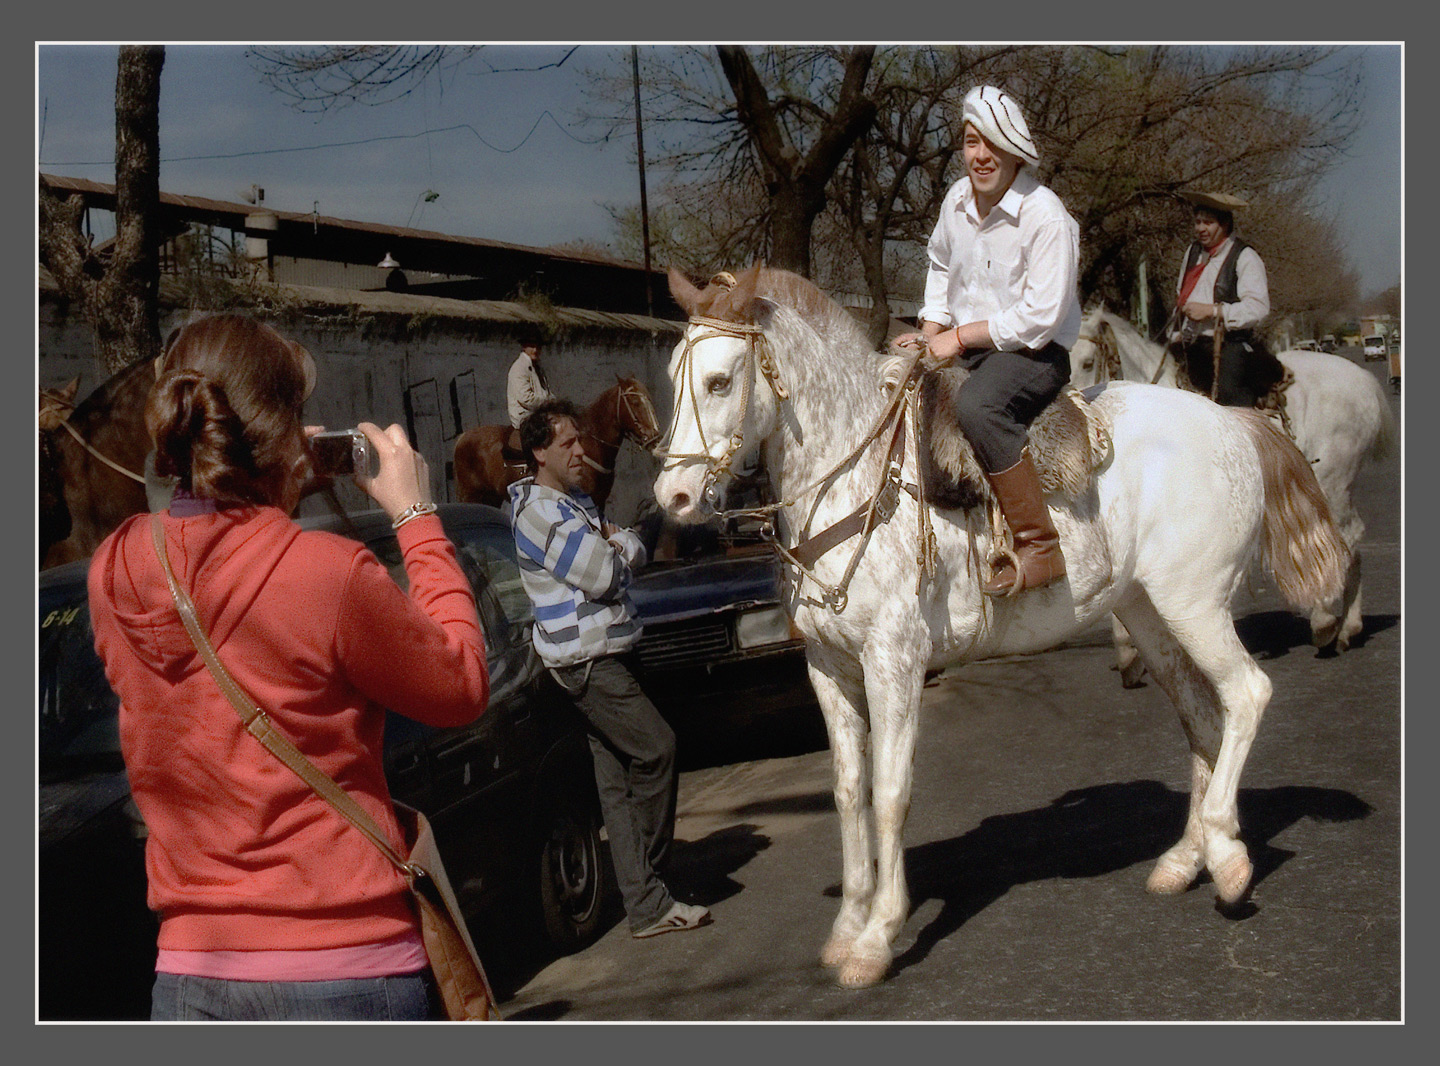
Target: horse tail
[
  {"x": 1387, "y": 436},
  {"x": 1302, "y": 547}
]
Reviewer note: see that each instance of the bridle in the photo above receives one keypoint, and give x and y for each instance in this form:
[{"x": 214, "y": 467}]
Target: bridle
[
  {"x": 757, "y": 359},
  {"x": 51, "y": 418},
  {"x": 879, "y": 507},
  {"x": 625, "y": 417}
]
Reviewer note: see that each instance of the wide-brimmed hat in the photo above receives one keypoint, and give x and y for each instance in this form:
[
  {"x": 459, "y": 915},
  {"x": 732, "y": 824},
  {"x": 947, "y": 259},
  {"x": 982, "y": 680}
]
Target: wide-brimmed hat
[
  {"x": 998, "y": 118},
  {"x": 1216, "y": 201}
]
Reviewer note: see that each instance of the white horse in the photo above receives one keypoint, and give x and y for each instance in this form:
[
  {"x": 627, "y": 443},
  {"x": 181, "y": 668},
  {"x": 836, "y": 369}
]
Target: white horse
[
  {"x": 1340, "y": 417},
  {"x": 770, "y": 370}
]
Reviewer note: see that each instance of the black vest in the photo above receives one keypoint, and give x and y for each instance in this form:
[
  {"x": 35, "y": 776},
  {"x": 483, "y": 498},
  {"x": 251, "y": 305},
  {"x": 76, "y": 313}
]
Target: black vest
[{"x": 1226, "y": 287}]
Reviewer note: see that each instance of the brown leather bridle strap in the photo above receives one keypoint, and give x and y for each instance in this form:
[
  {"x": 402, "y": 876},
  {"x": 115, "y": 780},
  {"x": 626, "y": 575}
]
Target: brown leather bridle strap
[{"x": 861, "y": 520}]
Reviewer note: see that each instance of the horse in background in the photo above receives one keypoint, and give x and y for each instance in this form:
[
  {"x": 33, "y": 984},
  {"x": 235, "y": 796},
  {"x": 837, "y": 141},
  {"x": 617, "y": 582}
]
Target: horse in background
[
  {"x": 1337, "y": 412},
  {"x": 91, "y": 462},
  {"x": 771, "y": 372},
  {"x": 483, "y": 472}
]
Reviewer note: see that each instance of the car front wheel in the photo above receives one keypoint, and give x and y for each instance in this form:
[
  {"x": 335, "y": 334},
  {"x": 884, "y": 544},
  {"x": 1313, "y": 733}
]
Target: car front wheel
[{"x": 573, "y": 875}]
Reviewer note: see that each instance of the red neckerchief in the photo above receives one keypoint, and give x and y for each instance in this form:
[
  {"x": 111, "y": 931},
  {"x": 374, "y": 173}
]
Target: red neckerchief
[{"x": 1193, "y": 274}]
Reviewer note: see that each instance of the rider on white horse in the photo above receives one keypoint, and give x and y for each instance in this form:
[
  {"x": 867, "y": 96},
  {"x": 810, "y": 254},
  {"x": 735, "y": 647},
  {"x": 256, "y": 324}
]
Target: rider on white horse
[
  {"x": 1000, "y": 296},
  {"x": 1222, "y": 286}
]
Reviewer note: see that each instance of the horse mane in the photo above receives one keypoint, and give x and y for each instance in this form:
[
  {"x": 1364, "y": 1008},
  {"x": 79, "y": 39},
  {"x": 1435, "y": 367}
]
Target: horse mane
[{"x": 732, "y": 299}]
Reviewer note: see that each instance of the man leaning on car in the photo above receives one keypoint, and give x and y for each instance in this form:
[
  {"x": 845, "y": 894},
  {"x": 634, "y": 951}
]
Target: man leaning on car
[{"x": 576, "y": 567}]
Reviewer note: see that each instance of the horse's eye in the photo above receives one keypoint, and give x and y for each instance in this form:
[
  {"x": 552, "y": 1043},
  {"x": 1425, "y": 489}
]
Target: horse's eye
[
  {"x": 1087, "y": 362},
  {"x": 717, "y": 384}
]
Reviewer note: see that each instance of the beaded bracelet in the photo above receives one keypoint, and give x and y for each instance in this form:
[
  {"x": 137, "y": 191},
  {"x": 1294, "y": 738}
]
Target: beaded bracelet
[{"x": 415, "y": 510}]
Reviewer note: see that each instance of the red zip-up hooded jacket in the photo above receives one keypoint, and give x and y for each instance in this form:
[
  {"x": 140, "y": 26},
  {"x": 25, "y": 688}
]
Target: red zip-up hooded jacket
[{"x": 241, "y": 854}]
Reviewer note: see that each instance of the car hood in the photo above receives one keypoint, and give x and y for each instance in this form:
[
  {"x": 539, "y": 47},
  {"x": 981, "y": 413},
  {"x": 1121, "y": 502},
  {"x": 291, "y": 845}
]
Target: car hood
[{"x": 669, "y": 592}]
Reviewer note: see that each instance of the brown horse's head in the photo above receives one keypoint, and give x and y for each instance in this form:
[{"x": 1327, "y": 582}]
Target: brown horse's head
[
  {"x": 54, "y": 513},
  {"x": 636, "y": 412}
]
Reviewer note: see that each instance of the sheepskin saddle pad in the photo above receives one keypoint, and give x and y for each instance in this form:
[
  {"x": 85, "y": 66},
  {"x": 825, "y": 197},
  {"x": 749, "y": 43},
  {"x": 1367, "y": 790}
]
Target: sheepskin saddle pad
[{"x": 1067, "y": 442}]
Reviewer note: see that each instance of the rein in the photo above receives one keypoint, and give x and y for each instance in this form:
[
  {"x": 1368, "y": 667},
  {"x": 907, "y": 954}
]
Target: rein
[
  {"x": 878, "y": 507},
  {"x": 622, "y": 396},
  {"x": 50, "y": 419}
]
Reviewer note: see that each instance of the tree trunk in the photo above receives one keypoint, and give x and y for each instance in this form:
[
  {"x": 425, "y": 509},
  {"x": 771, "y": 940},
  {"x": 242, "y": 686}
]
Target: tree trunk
[{"x": 120, "y": 297}]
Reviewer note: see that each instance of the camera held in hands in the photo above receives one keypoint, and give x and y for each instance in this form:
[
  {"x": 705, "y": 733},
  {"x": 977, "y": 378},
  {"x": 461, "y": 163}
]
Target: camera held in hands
[{"x": 340, "y": 451}]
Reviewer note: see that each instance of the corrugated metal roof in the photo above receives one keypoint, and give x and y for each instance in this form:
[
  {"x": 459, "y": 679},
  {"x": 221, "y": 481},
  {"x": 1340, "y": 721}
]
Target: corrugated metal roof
[
  {"x": 226, "y": 207},
  {"x": 313, "y": 296}
]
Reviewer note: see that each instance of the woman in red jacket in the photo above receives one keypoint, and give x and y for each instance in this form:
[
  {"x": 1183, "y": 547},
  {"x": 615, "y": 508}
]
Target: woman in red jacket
[{"x": 272, "y": 906}]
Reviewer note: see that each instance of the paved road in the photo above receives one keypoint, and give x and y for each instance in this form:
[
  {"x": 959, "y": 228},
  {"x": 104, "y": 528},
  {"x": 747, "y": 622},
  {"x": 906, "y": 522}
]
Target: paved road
[{"x": 1043, "y": 793}]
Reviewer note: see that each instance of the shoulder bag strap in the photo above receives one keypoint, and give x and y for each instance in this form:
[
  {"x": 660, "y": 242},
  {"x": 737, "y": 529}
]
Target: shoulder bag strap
[{"x": 258, "y": 723}]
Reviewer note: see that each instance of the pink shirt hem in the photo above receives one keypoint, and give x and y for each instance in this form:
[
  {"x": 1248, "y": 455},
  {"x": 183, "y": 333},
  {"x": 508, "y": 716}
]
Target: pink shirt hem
[{"x": 404, "y": 954}]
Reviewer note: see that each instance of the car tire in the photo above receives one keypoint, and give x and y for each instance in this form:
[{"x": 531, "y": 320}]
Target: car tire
[{"x": 574, "y": 877}]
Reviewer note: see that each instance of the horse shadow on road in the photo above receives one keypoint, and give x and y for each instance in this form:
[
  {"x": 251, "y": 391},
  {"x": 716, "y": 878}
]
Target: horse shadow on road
[
  {"x": 1273, "y": 634},
  {"x": 1091, "y": 832}
]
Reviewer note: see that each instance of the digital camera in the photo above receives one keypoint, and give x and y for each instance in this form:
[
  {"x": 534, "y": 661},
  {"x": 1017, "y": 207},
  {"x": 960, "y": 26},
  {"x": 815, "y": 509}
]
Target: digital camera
[{"x": 340, "y": 451}]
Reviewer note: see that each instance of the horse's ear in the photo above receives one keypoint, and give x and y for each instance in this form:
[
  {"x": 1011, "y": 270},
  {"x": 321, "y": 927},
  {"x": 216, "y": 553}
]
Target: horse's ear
[
  {"x": 741, "y": 298},
  {"x": 686, "y": 294},
  {"x": 68, "y": 390}
]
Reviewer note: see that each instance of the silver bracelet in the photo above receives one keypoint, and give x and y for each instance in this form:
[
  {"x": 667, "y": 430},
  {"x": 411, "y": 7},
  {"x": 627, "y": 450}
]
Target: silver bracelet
[{"x": 415, "y": 510}]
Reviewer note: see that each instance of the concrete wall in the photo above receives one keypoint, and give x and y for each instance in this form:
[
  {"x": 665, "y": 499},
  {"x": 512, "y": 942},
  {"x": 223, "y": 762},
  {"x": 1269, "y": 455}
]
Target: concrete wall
[{"x": 367, "y": 362}]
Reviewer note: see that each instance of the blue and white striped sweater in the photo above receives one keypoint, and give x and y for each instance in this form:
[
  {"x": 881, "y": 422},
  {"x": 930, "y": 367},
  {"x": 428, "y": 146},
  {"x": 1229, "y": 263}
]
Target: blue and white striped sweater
[{"x": 575, "y": 578}]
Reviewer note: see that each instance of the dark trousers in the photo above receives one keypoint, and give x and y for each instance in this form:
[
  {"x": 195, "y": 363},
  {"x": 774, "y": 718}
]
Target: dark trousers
[
  {"x": 633, "y": 748},
  {"x": 1247, "y": 369},
  {"x": 1003, "y": 394}
]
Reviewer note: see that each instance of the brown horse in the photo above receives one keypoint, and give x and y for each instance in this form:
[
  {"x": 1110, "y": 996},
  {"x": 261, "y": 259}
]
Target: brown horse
[
  {"x": 92, "y": 464},
  {"x": 92, "y": 461},
  {"x": 482, "y": 471}
]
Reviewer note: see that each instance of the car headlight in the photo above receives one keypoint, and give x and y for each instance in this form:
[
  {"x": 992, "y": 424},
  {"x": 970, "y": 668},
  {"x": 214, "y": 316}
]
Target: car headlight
[{"x": 764, "y": 625}]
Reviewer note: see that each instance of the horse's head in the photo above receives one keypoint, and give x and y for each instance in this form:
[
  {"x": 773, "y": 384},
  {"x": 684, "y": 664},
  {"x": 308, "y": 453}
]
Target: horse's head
[
  {"x": 1096, "y": 355},
  {"x": 637, "y": 412},
  {"x": 726, "y": 393},
  {"x": 54, "y": 512}
]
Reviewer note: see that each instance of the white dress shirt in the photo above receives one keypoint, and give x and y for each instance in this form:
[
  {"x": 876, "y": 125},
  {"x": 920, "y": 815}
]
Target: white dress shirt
[
  {"x": 1252, "y": 291},
  {"x": 1017, "y": 268}
]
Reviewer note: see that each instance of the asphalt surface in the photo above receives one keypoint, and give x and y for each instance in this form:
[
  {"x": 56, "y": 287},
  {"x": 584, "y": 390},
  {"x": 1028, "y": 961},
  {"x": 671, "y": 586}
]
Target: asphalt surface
[{"x": 1043, "y": 794}]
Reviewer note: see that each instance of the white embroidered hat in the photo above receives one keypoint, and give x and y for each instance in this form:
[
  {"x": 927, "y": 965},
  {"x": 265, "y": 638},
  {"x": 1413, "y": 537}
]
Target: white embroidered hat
[{"x": 997, "y": 117}]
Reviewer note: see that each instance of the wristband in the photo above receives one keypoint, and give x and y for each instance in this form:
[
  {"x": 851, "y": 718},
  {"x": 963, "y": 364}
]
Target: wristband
[{"x": 414, "y": 511}]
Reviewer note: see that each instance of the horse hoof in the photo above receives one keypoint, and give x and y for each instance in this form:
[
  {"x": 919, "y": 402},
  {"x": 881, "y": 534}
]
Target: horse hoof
[
  {"x": 1232, "y": 879},
  {"x": 860, "y": 971},
  {"x": 1169, "y": 878},
  {"x": 1133, "y": 675},
  {"x": 836, "y": 951}
]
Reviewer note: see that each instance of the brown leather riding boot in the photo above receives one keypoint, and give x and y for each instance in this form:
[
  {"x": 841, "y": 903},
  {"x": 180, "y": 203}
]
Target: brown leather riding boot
[{"x": 1037, "y": 545}]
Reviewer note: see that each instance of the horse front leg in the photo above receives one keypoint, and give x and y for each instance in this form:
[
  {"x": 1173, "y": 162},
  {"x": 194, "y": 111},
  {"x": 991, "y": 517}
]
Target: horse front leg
[
  {"x": 842, "y": 702},
  {"x": 894, "y": 677}
]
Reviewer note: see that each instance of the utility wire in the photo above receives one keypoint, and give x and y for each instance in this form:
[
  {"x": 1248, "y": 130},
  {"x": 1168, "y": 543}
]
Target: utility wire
[{"x": 347, "y": 144}]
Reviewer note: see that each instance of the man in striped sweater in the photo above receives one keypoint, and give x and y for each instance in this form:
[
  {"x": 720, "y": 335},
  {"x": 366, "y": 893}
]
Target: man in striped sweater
[{"x": 576, "y": 567}]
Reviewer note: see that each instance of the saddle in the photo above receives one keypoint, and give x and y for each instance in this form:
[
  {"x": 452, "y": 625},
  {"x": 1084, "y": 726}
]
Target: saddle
[
  {"x": 1067, "y": 442},
  {"x": 1271, "y": 402}
]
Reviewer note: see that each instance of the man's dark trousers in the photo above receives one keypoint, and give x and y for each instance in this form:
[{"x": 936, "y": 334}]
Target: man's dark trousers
[{"x": 633, "y": 748}]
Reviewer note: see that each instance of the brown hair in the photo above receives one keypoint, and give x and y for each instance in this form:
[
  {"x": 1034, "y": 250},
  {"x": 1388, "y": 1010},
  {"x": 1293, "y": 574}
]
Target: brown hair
[{"x": 225, "y": 413}]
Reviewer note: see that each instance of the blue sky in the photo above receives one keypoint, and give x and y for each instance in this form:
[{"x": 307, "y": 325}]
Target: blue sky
[{"x": 524, "y": 170}]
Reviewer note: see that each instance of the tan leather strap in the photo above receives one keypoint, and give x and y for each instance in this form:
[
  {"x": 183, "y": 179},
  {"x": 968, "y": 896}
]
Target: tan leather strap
[{"x": 259, "y": 725}]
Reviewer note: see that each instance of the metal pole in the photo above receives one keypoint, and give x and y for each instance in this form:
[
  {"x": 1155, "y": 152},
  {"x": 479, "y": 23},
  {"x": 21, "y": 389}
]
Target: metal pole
[{"x": 644, "y": 205}]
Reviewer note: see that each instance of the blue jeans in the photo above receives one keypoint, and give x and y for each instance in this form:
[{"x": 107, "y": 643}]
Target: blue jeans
[{"x": 407, "y": 998}]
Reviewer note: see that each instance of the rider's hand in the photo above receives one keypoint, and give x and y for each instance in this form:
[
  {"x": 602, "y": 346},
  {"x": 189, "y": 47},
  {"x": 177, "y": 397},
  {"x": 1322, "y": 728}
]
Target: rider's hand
[
  {"x": 404, "y": 476},
  {"x": 1197, "y": 311}
]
